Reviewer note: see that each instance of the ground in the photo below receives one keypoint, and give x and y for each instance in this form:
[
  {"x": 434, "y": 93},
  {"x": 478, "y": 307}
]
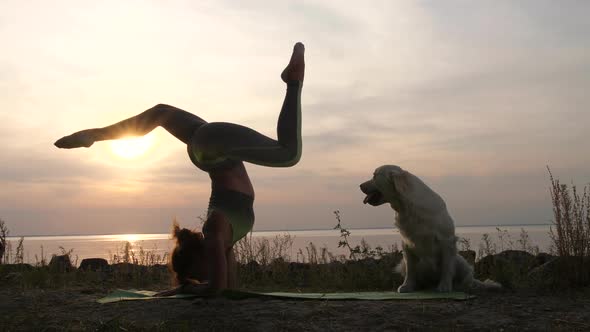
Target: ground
[{"x": 77, "y": 309}]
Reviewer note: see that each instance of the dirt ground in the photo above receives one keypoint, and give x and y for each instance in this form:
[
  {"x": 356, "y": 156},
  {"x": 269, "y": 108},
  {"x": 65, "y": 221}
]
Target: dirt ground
[{"x": 77, "y": 309}]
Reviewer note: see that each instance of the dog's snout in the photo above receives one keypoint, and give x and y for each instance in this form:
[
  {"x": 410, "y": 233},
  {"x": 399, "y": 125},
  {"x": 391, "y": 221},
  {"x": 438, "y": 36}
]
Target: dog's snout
[{"x": 367, "y": 186}]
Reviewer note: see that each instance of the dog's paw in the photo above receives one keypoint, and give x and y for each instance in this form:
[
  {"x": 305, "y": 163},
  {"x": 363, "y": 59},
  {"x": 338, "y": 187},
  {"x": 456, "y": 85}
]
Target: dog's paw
[
  {"x": 444, "y": 287},
  {"x": 405, "y": 288}
]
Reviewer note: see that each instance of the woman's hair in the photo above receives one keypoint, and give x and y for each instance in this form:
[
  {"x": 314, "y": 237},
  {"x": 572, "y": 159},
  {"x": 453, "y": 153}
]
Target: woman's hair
[{"x": 185, "y": 255}]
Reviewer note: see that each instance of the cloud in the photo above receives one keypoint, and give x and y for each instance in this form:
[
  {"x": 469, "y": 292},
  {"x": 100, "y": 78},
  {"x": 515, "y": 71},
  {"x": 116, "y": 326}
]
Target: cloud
[{"x": 475, "y": 98}]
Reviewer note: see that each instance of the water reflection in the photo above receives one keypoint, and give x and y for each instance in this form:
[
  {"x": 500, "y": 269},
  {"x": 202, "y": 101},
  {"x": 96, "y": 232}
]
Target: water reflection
[{"x": 131, "y": 238}]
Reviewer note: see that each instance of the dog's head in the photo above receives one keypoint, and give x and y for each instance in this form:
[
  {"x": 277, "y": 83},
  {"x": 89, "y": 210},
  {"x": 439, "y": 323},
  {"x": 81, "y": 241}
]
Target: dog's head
[{"x": 391, "y": 184}]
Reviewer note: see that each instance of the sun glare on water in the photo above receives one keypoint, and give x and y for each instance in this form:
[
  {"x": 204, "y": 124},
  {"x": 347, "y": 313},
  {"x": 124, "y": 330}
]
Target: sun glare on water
[
  {"x": 129, "y": 237},
  {"x": 133, "y": 147}
]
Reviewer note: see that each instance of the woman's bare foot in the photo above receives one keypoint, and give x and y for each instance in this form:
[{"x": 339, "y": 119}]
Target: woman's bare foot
[
  {"x": 296, "y": 68},
  {"x": 84, "y": 138}
]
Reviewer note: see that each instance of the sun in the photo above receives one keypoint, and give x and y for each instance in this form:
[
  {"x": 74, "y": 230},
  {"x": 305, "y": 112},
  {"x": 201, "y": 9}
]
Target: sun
[{"x": 133, "y": 147}]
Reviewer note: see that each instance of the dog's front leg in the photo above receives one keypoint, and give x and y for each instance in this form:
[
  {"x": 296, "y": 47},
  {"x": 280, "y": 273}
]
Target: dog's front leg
[
  {"x": 447, "y": 269},
  {"x": 410, "y": 261}
]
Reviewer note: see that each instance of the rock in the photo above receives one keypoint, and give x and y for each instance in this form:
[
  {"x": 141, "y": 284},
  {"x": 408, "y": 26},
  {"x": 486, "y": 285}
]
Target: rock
[
  {"x": 13, "y": 277},
  {"x": 94, "y": 264},
  {"x": 469, "y": 256},
  {"x": 252, "y": 266},
  {"x": 278, "y": 261},
  {"x": 7, "y": 268},
  {"x": 562, "y": 272},
  {"x": 61, "y": 263},
  {"x": 365, "y": 262},
  {"x": 511, "y": 261},
  {"x": 546, "y": 269},
  {"x": 161, "y": 268},
  {"x": 128, "y": 268},
  {"x": 542, "y": 258},
  {"x": 515, "y": 256},
  {"x": 295, "y": 267},
  {"x": 335, "y": 265}
]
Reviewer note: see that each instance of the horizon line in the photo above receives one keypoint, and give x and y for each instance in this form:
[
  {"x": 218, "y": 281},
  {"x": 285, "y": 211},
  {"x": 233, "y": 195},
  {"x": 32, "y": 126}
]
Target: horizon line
[{"x": 270, "y": 230}]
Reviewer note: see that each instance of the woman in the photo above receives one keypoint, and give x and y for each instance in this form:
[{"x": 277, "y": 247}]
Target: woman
[{"x": 219, "y": 149}]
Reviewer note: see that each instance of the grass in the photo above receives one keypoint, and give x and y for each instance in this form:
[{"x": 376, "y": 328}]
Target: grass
[
  {"x": 128, "y": 268},
  {"x": 571, "y": 211},
  {"x": 570, "y": 238},
  {"x": 570, "y": 233},
  {"x": 266, "y": 263},
  {"x": 4, "y": 232}
]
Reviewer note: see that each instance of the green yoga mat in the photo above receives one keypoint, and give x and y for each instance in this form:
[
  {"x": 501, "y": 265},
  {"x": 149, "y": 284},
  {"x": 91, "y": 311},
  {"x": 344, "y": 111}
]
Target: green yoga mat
[{"x": 128, "y": 295}]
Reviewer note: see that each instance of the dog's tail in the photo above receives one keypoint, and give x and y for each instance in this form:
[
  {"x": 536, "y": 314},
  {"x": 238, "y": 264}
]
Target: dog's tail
[
  {"x": 400, "y": 268},
  {"x": 487, "y": 284}
]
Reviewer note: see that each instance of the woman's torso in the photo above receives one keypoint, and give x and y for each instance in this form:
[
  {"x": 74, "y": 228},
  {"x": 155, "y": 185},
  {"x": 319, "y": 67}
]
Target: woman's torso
[{"x": 234, "y": 178}]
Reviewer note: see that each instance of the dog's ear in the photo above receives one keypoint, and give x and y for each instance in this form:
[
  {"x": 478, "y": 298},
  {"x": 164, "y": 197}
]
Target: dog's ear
[
  {"x": 400, "y": 180},
  {"x": 413, "y": 190}
]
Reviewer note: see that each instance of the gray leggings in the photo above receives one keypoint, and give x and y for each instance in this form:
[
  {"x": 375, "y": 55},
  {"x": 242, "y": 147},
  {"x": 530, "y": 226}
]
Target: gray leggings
[
  {"x": 219, "y": 144},
  {"x": 212, "y": 145}
]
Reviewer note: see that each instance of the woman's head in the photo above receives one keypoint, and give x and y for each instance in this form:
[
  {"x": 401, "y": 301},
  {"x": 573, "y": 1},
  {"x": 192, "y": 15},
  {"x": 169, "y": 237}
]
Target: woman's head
[{"x": 187, "y": 259}]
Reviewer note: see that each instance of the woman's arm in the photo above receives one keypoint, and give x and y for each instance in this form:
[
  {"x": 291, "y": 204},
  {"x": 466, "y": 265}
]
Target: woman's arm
[
  {"x": 218, "y": 234},
  {"x": 217, "y": 262},
  {"x": 232, "y": 267},
  {"x": 189, "y": 287}
]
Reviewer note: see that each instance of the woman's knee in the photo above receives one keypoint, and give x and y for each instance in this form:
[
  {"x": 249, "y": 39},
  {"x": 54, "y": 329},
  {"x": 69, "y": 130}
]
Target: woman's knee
[
  {"x": 162, "y": 106},
  {"x": 294, "y": 156},
  {"x": 205, "y": 137},
  {"x": 158, "y": 111}
]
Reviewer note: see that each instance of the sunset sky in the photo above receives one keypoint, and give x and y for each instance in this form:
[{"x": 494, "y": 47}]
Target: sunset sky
[{"x": 474, "y": 97}]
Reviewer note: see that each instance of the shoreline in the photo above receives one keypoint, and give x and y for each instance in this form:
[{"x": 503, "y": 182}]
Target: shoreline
[{"x": 16, "y": 237}]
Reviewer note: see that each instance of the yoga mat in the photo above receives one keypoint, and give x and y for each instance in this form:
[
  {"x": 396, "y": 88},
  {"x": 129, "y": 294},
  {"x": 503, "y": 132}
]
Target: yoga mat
[{"x": 129, "y": 295}]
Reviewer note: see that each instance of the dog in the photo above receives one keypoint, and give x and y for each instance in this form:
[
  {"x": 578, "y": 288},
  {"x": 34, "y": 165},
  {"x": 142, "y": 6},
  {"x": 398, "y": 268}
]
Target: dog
[{"x": 429, "y": 244}]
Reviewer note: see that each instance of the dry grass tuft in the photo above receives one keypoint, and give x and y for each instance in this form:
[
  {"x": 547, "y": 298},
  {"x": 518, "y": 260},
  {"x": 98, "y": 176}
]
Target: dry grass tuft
[
  {"x": 571, "y": 211},
  {"x": 570, "y": 232},
  {"x": 3, "y": 235}
]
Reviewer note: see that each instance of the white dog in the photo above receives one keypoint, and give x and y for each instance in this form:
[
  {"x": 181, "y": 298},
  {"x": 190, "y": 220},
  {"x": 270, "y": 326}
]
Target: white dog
[{"x": 427, "y": 230}]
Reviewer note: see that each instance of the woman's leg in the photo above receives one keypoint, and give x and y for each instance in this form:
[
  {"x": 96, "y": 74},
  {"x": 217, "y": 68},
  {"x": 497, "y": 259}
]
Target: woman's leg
[
  {"x": 220, "y": 139},
  {"x": 177, "y": 122}
]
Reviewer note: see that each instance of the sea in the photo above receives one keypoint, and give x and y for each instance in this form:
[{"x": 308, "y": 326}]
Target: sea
[{"x": 37, "y": 248}]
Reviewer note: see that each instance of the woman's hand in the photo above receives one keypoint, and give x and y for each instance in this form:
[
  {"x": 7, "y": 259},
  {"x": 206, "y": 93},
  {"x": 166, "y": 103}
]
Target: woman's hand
[
  {"x": 169, "y": 292},
  {"x": 191, "y": 287}
]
